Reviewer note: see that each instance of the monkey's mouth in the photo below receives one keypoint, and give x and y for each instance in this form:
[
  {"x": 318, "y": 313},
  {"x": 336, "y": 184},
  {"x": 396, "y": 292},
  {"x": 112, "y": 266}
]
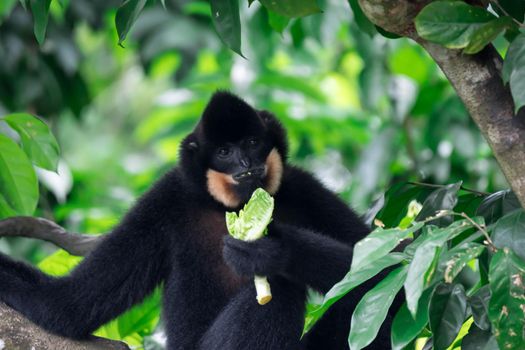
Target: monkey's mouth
[{"x": 250, "y": 175}]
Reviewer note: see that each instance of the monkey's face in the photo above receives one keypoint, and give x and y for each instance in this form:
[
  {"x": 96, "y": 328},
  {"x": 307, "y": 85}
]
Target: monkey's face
[
  {"x": 236, "y": 169},
  {"x": 238, "y": 148}
]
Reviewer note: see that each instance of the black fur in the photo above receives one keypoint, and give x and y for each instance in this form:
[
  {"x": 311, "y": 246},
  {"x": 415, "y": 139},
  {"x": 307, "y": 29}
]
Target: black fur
[{"x": 176, "y": 235}]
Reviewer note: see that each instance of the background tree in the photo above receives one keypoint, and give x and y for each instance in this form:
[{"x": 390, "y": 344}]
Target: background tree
[{"x": 364, "y": 112}]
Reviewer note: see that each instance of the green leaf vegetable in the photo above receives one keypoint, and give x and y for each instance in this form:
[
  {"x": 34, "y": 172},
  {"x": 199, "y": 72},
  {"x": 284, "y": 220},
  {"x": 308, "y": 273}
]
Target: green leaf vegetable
[{"x": 251, "y": 224}]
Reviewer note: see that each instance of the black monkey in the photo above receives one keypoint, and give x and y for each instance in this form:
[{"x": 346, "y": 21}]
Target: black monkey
[{"x": 176, "y": 235}]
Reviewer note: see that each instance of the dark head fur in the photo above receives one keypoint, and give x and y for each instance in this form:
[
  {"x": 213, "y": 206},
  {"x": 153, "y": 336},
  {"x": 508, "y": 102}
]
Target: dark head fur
[{"x": 227, "y": 118}]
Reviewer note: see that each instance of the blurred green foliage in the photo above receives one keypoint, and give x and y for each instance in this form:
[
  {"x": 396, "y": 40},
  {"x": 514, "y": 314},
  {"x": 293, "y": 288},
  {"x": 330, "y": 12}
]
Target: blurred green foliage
[{"x": 363, "y": 113}]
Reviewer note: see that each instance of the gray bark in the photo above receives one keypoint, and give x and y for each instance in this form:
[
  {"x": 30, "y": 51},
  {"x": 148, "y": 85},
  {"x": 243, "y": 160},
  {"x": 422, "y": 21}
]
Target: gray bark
[
  {"x": 46, "y": 230},
  {"x": 18, "y": 333},
  {"x": 477, "y": 81}
]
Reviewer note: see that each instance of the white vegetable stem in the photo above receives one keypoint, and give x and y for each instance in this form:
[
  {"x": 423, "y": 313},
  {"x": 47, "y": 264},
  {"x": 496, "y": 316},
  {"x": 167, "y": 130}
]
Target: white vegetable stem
[
  {"x": 264, "y": 293},
  {"x": 251, "y": 224}
]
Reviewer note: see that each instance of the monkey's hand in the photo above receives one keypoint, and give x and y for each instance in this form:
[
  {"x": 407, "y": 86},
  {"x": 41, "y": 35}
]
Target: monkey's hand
[{"x": 265, "y": 256}]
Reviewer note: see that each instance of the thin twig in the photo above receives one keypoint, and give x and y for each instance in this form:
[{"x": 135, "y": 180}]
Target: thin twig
[
  {"x": 481, "y": 229},
  {"x": 496, "y": 2},
  {"x": 484, "y": 232},
  {"x": 479, "y": 193}
]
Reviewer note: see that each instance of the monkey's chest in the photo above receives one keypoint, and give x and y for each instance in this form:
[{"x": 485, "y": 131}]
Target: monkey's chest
[{"x": 211, "y": 232}]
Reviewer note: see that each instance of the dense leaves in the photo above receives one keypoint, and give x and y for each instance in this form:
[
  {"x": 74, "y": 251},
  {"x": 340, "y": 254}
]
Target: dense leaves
[
  {"x": 456, "y": 25},
  {"x": 358, "y": 116},
  {"x": 349, "y": 282},
  {"x": 507, "y": 301}
]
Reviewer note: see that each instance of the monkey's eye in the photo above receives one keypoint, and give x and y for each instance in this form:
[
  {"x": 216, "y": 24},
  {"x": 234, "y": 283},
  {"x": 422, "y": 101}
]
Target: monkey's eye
[
  {"x": 224, "y": 151},
  {"x": 252, "y": 142}
]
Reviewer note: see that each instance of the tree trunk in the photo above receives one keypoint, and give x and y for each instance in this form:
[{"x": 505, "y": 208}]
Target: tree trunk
[
  {"x": 477, "y": 81},
  {"x": 18, "y": 333}
]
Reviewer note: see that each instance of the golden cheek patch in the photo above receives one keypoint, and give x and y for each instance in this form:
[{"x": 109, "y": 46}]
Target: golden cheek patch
[
  {"x": 220, "y": 186},
  {"x": 274, "y": 171}
]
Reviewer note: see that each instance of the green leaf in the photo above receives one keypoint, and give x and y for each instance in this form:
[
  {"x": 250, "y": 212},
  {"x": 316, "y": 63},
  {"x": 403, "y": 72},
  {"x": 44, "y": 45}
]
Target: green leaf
[
  {"x": 40, "y": 10},
  {"x": 451, "y": 23},
  {"x": 397, "y": 199},
  {"x": 478, "y": 339},
  {"x": 18, "y": 182},
  {"x": 227, "y": 23},
  {"x": 5, "y": 209},
  {"x": 349, "y": 282},
  {"x": 420, "y": 272},
  {"x": 37, "y": 140},
  {"x": 139, "y": 320},
  {"x": 427, "y": 249},
  {"x": 142, "y": 318},
  {"x": 509, "y": 232},
  {"x": 514, "y": 70},
  {"x": 59, "y": 263},
  {"x": 482, "y": 36},
  {"x": 479, "y": 305},
  {"x": 277, "y": 22},
  {"x": 360, "y": 18},
  {"x": 517, "y": 88},
  {"x": 406, "y": 328},
  {"x": 444, "y": 198},
  {"x": 497, "y": 205},
  {"x": 371, "y": 311},
  {"x": 127, "y": 14},
  {"x": 447, "y": 311},
  {"x": 456, "y": 259},
  {"x": 292, "y": 8},
  {"x": 507, "y": 303},
  {"x": 379, "y": 243},
  {"x": 515, "y": 58}
]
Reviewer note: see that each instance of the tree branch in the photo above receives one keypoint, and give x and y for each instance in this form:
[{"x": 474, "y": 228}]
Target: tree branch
[
  {"x": 477, "y": 81},
  {"x": 43, "y": 229},
  {"x": 17, "y": 332}
]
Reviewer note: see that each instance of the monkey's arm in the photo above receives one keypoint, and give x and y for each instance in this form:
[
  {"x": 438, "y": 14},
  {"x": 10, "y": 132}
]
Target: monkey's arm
[
  {"x": 300, "y": 255},
  {"x": 318, "y": 256},
  {"x": 121, "y": 271}
]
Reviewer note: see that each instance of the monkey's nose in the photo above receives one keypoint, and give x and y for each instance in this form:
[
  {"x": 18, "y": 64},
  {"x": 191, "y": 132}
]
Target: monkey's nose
[{"x": 245, "y": 162}]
